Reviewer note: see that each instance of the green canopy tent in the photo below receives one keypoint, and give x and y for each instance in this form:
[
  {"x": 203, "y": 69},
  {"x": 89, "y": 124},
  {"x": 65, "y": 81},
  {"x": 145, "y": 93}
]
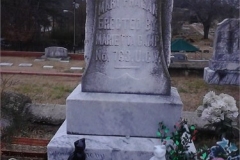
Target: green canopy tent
[{"x": 182, "y": 45}]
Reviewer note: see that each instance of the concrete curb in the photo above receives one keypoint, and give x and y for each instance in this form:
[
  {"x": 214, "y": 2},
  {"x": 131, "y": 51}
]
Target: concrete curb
[{"x": 42, "y": 73}]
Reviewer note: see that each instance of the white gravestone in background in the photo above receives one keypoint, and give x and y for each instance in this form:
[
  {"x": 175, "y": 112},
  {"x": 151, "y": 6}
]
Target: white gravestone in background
[
  {"x": 56, "y": 52},
  {"x": 127, "y": 47}
]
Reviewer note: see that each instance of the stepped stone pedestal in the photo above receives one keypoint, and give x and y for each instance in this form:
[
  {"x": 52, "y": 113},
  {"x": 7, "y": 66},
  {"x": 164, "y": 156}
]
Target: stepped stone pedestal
[
  {"x": 115, "y": 126},
  {"x": 126, "y": 88},
  {"x": 224, "y": 67}
]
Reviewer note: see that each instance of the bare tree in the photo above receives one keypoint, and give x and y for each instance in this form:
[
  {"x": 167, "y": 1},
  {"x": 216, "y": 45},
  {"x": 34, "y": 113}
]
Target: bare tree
[{"x": 209, "y": 10}]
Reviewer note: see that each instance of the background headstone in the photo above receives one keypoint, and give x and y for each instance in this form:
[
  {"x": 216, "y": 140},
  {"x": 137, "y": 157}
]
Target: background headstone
[
  {"x": 224, "y": 67},
  {"x": 56, "y": 52}
]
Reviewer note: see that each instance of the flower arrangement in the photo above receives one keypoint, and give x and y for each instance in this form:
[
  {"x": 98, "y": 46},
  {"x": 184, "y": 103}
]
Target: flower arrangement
[
  {"x": 178, "y": 142},
  {"x": 220, "y": 111},
  {"x": 223, "y": 150}
]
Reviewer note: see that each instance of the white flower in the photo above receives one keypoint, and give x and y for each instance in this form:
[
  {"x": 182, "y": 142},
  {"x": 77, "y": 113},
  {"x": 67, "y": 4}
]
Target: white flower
[
  {"x": 228, "y": 100},
  {"x": 216, "y": 119},
  {"x": 215, "y": 108},
  {"x": 208, "y": 98},
  {"x": 206, "y": 115},
  {"x": 218, "y": 104},
  {"x": 200, "y": 110},
  {"x": 235, "y": 114},
  {"x": 216, "y": 111}
]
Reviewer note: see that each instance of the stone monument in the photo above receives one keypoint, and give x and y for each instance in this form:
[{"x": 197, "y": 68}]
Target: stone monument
[
  {"x": 224, "y": 67},
  {"x": 126, "y": 89},
  {"x": 56, "y": 52}
]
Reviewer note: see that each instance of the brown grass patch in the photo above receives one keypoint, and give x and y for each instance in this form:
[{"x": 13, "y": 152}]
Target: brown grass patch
[{"x": 47, "y": 89}]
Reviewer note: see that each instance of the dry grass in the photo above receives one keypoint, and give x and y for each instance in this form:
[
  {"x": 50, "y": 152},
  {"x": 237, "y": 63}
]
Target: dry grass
[
  {"x": 192, "y": 89},
  {"x": 47, "y": 89},
  {"x": 43, "y": 89}
]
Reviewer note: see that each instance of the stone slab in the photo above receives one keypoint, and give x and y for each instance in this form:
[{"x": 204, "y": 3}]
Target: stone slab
[
  {"x": 120, "y": 114},
  {"x": 39, "y": 60},
  {"x": 224, "y": 65},
  {"x": 6, "y": 64},
  {"x": 48, "y": 67},
  {"x": 101, "y": 147},
  {"x": 129, "y": 45},
  {"x": 56, "y": 52},
  {"x": 221, "y": 77},
  {"x": 226, "y": 41},
  {"x": 64, "y": 61},
  {"x": 25, "y": 65},
  {"x": 76, "y": 68}
]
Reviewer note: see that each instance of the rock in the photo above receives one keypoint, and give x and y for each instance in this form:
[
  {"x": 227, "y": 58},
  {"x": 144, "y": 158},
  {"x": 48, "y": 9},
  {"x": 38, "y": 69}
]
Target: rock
[
  {"x": 47, "y": 113},
  {"x": 15, "y": 111}
]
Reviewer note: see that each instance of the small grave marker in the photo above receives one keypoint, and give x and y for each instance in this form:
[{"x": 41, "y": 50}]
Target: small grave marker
[
  {"x": 64, "y": 61},
  {"x": 25, "y": 65},
  {"x": 76, "y": 68},
  {"x": 6, "y": 64},
  {"x": 39, "y": 60},
  {"x": 48, "y": 67},
  {"x": 56, "y": 52}
]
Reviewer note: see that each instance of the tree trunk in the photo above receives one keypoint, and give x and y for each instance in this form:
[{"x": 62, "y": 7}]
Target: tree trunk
[{"x": 206, "y": 30}]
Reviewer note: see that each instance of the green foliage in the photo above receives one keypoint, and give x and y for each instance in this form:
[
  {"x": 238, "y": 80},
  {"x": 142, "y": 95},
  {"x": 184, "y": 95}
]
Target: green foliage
[
  {"x": 180, "y": 137},
  {"x": 182, "y": 90},
  {"x": 59, "y": 91},
  {"x": 14, "y": 109}
]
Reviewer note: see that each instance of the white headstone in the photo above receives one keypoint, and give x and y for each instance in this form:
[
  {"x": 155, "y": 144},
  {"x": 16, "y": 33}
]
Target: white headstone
[
  {"x": 25, "y": 65},
  {"x": 128, "y": 47},
  {"x": 6, "y": 64},
  {"x": 48, "y": 67}
]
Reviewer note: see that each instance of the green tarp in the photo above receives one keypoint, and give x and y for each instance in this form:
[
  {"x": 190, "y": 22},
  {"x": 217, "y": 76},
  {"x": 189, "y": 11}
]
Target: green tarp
[{"x": 182, "y": 45}]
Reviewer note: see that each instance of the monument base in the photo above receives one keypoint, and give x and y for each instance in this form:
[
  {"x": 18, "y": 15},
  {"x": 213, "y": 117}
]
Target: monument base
[
  {"x": 221, "y": 77},
  {"x": 101, "y": 147},
  {"x": 111, "y": 114}
]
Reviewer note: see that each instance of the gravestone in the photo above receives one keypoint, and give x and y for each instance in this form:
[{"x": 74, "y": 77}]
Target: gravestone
[
  {"x": 224, "y": 66},
  {"x": 6, "y": 64},
  {"x": 25, "y": 65},
  {"x": 56, "y": 52},
  {"x": 126, "y": 89}
]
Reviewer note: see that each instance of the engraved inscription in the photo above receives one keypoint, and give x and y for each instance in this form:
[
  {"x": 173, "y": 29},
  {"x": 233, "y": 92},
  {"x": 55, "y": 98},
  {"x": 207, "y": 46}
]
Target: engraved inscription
[
  {"x": 118, "y": 23},
  {"x": 108, "y": 5},
  {"x": 136, "y": 56},
  {"x": 95, "y": 156},
  {"x": 101, "y": 56},
  {"x": 126, "y": 40}
]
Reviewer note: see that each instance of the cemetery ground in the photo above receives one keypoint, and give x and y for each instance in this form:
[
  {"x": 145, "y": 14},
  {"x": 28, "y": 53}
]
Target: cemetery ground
[{"x": 55, "y": 89}]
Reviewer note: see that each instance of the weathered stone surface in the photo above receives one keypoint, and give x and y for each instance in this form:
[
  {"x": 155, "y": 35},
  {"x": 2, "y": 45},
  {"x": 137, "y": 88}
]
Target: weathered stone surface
[
  {"x": 224, "y": 67},
  {"x": 47, "y": 113},
  {"x": 48, "y": 67},
  {"x": 14, "y": 107},
  {"x": 6, "y": 64},
  {"x": 221, "y": 77},
  {"x": 101, "y": 147},
  {"x": 25, "y": 65},
  {"x": 120, "y": 114},
  {"x": 128, "y": 46},
  {"x": 226, "y": 42},
  {"x": 76, "y": 68},
  {"x": 56, "y": 52}
]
